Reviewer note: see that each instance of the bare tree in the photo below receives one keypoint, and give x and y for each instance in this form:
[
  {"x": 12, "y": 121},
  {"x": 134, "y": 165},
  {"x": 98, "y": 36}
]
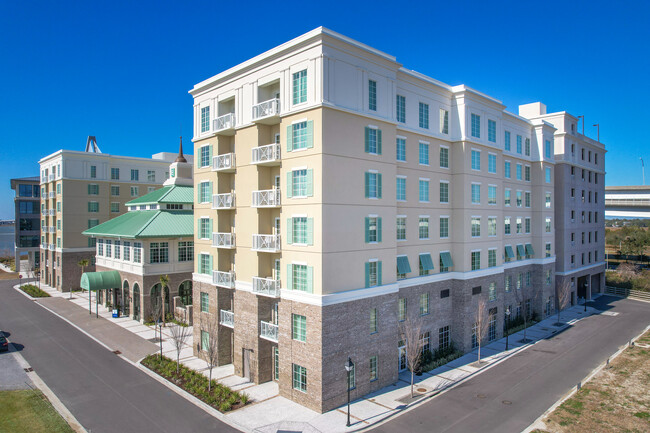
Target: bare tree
[
  {"x": 156, "y": 312},
  {"x": 180, "y": 335},
  {"x": 210, "y": 325},
  {"x": 411, "y": 333},
  {"x": 563, "y": 295},
  {"x": 164, "y": 282},
  {"x": 481, "y": 324},
  {"x": 524, "y": 294}
]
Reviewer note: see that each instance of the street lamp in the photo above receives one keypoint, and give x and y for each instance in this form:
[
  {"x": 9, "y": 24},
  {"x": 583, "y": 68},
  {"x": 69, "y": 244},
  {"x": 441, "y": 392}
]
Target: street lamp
[
  {"x": 160, "y": 324},
  {"x": 348, "y": 367},
  {"x": 585, "y": 302},
  {"x": 507, "y": 326}
]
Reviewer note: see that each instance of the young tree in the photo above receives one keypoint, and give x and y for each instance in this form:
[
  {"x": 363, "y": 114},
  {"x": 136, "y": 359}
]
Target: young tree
[
  {"x": 523, "y": 294},
  {"x": 210, "y": 325},
  {"x": 156, "y": 313},
  {"x": 411, "y": 333},
  {"x": 180, "y": 335},
  {"x": 164, "y": 282},
  {"x": 481, "y": 324},
  {"x": 563, "y": 295}
]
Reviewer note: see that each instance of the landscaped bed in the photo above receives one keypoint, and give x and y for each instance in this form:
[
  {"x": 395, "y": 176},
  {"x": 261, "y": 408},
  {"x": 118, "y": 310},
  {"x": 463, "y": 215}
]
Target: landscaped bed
[
  {"x": 220, "y": 397},
  {"x": 34, "y": 291}
]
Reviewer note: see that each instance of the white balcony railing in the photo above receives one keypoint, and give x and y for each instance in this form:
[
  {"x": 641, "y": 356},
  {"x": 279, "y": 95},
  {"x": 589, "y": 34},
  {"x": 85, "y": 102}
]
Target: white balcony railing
[
  {"x": 266, "y": 198},
  {"x": 223, "y": 201},
  {"x": 227, "y": 121},
  {"x": 266, "y": 286},
  {"x": 266, "y": 243},
  {"x": 223, "y": 279},
  {"x": 52, "y": 212},
  {"x": 52, "y": 229},
  {"x": 52, "y": 247},
  {"x": 269, "y": 331},
  {"x": 44, "y": 212},
  {"x": 266, "y": 154},
  {"x": 52, "y": 177},
  {"x": 51, "y": 194},
  {"x": 223, "y": 240},
  {"x": 227, "y": 318},
  {"x": 223, "y": 162},
  {"x": 266, "y": 109}
]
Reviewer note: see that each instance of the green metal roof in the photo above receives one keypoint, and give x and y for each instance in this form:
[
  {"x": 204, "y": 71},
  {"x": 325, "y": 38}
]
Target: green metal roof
[
  {"x": 147, "y": 224},
  {"x": 101, "y": 280},
  {"x": 166, "y": 194}
]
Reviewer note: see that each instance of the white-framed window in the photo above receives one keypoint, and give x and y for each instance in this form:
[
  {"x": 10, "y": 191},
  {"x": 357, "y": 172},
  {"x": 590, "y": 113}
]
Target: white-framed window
[
  {"x": 135, "y": 191},
  {"x": 476, "y": 227},
  {"x": 205, "y": 192},
  {"x": 373, "y": 368},
  {"x": 476, "y": 260},
  {"x": 299, "y": 183},
  {"x": 527, "y": 147},
  {"x": 401, "y": 228},
  {"x": 476, "y": 159},
  {"x": 400, "y": 188},
  {"x": 373, "y": 320},
  {"x": 548, "y": 252},
  {"x": 159, "y": 252},
  {"x": 548, "y": 225},
  {"x": 93, "y": 189},
  {"x": 492, "y": 131},
  {"x": 518, "y": 220},
  {"x": 506, "y": 170},
  {"x": 547, "y": 174},
  {"x": 548, "y": 149},
  {"x": 519, "y": 173},
  {"x": 444, "y": 192},
  {"x": 527, "y": 173},
  {"x": 151, "y": 175},
  {"x": 492, "y": 163},
  {"x": 492, "y": 194},
  {"x": 372, "y": 229},
  {"x": 372, "y": 95},
  {"x": 205, "y": 228},
  {"x": 476, "y": 193},
  {"x": 401, "y": 309},
  {"x": 205, "y": 119},
  {"x": 506, "y": 140},
  {"x": 423, "y": 227},
  {"x": 548, "y": 200},
  {"x": 299, "y": 85},
  {"x": 519, "y": 139},
  {"x": 135, "y": 175},
  {"x": 424, "y": 190},
  {"x": 299, "y": 378},
  {"x": 519, "y": 198},
  {"x": 423, "y": 120},
  {"x": 93, "y": 206},
  {"x": 115, "y": 190},
  {"x": 115, "y": 207},
  {"x": 492, "y": 226},
  {"x": 492, "y": 289},
  {"x": 299, "y": 327},
  {"x": 400, "y": 144},
  {"x": 507, "y": 197},
  {"x": 527, "y": 199},
  {"x": 373, "y": 185},
  {"x": 205, "y": 153},
  {"x": 185, "y": 251},
  {"x": 444, "y": 121},
  {"x": 301, "y": 135},
  {"x": 444, "y": 157},
  {"x": 373, "y": 270},
  {"x": 444, "y": 227},
  {"x": 476, "y": 125},
  {"x": 115, "y": 173},
  {"x": 492, "y": 257},
  {"x": 400, "y": 108},
  {"x": 423, "y": 153}
]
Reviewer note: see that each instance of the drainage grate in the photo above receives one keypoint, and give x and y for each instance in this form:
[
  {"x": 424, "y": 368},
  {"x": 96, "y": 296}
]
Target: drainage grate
[
  {"x": 28, "y": 370},
  {"x": 117, "y": 352},
  {"x": 506, "y": 402}
]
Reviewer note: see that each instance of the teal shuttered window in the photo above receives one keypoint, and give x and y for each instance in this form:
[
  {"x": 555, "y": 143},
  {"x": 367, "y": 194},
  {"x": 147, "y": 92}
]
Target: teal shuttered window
[
  {"x": 426, "y": 262},
  {"x": 403, "y": 266},
  {"x": 373, "y": 229},
  {"x": 300, "y": 136},
  {"x": 373, "y": 273},
  {"x": 372, "y": 140},
  {"x": 372, "y": 185}
]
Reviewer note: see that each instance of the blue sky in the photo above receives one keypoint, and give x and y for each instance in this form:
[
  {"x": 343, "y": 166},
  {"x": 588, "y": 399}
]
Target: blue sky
[{"x": 120, "y": 70}]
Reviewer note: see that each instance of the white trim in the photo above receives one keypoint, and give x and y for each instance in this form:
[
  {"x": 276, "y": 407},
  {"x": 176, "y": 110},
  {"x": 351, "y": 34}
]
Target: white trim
[
  {"x": 373, "y": 127},
  {"x": 444, "y": 181},
  {"x": 299, "y": 263},
  {"x": 373, "y": 171},
  {"x": 299, "y": 120},
  {"x": 424, "y": 216},
  {"x": 424, "y": 142},
  {"x": 584, "y": 268},
  {"x": 400, "y": 137},
  {"x": 300, "y": 215},
  {"x": 300, "y": 168},
  {"x": 400, "y": 176},
  {"x": 340, "y": 297},
  {"x": 400, "y": 216},
  {"x": 445, "y": 216},
  {"x": 373, "y": 216}
]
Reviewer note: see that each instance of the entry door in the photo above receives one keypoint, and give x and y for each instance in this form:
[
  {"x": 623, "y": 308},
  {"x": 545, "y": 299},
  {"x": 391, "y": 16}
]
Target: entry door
[
  {"x": 402, "y": 358},
  {"x": 247, "y": 364}
]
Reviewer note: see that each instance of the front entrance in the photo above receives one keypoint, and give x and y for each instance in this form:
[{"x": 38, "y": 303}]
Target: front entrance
[
  {"x": 402, "y": 356},
  {"x": 136, "y": 302},
  {"x": 582, "y": 287}
]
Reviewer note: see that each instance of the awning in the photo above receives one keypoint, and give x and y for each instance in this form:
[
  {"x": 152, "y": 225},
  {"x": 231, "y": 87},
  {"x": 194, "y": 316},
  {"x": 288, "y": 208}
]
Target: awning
[
  {"x": 403, "y": 266},
  {"x": 426, "y": 262},
  {"x": 529, "y": 250},
  {"x": 101, "y": 280},
  {"x": 509, "y": 252},
  {"x": 520, "y": 250},
  {"x": 446, "y": 259}
]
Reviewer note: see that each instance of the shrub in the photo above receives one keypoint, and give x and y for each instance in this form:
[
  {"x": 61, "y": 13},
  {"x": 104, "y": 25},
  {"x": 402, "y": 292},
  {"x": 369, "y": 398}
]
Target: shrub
[{"x": 34, "y": 291}]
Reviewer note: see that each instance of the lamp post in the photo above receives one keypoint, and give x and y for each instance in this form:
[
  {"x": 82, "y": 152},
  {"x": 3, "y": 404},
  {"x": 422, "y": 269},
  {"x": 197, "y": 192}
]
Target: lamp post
[
  {"x": 160, "y": 324},
  {"x": 348, "y": 367},
  {"x": 585, "y": 302},
  {"x": 507, "y": 326}
]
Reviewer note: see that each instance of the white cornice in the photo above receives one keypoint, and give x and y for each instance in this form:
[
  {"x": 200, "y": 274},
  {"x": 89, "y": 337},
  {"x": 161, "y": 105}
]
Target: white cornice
[{"x": 582, "y": 269}]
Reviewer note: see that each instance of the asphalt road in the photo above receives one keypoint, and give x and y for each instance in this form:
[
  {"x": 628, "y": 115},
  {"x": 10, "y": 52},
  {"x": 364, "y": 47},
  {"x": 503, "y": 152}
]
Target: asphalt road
[
  {"x": 104, "y": 392},
  {"x": 513, "y": 394}
]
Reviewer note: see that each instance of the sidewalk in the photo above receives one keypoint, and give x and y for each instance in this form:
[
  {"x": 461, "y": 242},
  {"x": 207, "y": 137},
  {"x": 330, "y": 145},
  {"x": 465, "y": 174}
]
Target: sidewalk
[{"x": 270, "y": 413}]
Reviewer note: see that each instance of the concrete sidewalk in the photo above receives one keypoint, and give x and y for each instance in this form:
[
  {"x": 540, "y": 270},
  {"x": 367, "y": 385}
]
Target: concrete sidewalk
[{"x": 271, "y": 413}]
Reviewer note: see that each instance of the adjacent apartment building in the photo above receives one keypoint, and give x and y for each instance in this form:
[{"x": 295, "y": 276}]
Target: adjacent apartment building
[
  {"x": 80, "y": 190},
  {"x": 28, "y": 229},
  {"x": 340, "y": 196}
]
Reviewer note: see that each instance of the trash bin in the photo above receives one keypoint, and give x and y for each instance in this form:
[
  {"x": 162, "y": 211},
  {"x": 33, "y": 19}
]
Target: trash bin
[{"x": 116, "y": 313}]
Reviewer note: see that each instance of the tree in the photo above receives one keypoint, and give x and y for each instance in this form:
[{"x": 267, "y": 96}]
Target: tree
[
  {"x": 156, "y": 313},
  {"x": 164, "y": 282},
  {"x": 209, "y": 325},
  {"x": 563, "y": 295},
  {"x": 411, "y": 333},
  {"x": 481, "y": 325},
  {"x": 81, "y": 263},
  {"x": 180, "y": 335},
  {"x": 524, "y": 293}
]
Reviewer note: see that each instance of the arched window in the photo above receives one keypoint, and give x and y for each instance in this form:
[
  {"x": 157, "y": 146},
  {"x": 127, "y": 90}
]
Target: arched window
[
  {"x": 136, "y": 302},
  {"x": 155, "y": 298}
]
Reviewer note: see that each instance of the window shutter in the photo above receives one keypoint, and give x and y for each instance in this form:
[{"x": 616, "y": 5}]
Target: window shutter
[
  {"x": 367, "y": 274},
  {"x": 310, "y": 182},
  {"x": 289, "y": 230},
  {"x": 209, "y": 234},
  {"x": 378, "y": 229},
  {"x": 290, "y": 277},
  {"x": 209, "y": 155},
  {"x": 310, "y": 279},
  {"x": 289, "y": 184},
  {"x": 378, "y": 185},
  {"x": 379, "y": 141},
  {"x": 210, "y": 270},
  {"x": 198, "y": 158},
  {"x": 198, "y": 230},
  {"x": 367, "y": 177},
  {"x": 367, "y": 226},
  {"x": 88, "y": 189},
  {"x": 88, "y": 206},
  {"x": 309, "y": 138},
  {"x": 379, "y": 273},
  {"x": 310, "y": 231},
  {"x": 199, "y": 265},
  {"x": 209, "y": 197},
  {"x": 198, "y": 193},
  {"x": 289, "y": 138},
  {"x": 367, "y": 140}
]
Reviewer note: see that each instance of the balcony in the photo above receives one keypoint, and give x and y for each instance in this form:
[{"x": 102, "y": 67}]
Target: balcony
[
  {"x": 223, "y": 201},
  {"x": 227, "y": 318},
  {"x": 266, "y": 286},
  {"x": 269, "y": 331},
  {"x": 267, "y": 112},
  {"x": 266, "y": 243},
  {"x": 52, "y": 247},
  {"x": 223, "y": 240},
  {"x": 266, "y": 155},
  {"x": 224, "y": 163},
  {"x": 52, "y": 212},
  {"x": 52, "y": 177},
  {"x": 223, "y": 279},
  {"x": 266, "y": 198},
  {"x": 51, "y": 194},
  {"x": 225, "y": 125},
  {"x": 52, "y": 229},
  {"x": 44, "y": 212}
]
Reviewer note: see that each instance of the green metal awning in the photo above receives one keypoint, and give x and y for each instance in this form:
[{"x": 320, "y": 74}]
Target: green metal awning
[
  {"x": 93, "y": 281},
  {"x": 509, "y": 252},
  {"x": 446, "y": 259},
  {"x": 426, "y": 262},
  {"x": 529, "y": 250},
  {"x": 520, "y": 250},
  {"x": 403, "y": 266}
]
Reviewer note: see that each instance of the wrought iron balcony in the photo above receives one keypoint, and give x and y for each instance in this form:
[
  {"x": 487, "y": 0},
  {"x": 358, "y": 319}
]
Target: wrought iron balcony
[
  {"x": 225, "y": 124},
  {"x": 223, "y": 201},
  {"x": 223, "y": 240},
  {"x": 227, "y": 318},
  {"x": 267, "y": 112},
  {"x": 223, "y": 279},
  {"x": 266, "y": 286},
  {"x": 224, "y": 163},
  {"x": 269, "y": 331},
  {"x": 266, "y": 198},
  {"x": 266, "y": 243},
  {"x": 266, "y": 155}
]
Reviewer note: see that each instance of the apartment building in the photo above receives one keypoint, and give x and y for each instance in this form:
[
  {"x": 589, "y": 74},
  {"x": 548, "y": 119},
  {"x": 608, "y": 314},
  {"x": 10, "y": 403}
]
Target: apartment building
[
  {"x": 28, "y": 230},
  {"x": 80, "y": 190},
  {"x": 341, "y": 196}
]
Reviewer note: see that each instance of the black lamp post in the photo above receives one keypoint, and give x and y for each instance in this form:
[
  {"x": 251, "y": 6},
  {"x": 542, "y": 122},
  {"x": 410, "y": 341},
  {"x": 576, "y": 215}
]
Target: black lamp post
[
  {"x": 507, "y": 326},
  {"x": 160, "y": 324},
  {"x": 585, "y": 303},
  {"x": 348, "y": 367}
]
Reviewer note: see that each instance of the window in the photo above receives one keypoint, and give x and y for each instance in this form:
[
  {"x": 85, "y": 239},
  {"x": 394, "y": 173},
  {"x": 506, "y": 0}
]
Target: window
[
  {"x": 444, "y": 192},
  {"x": 518, "y": 225},
  {"x": 519, "y": 144},
  {"x": 424, "y": 190},
  {"x": 492, "y": 131},
  {"x": 159, "y": 252},
  {"x": 476, "y": 227},
  {"x": 300, "y": 183},
  {"x": 492, "y": 292},
  {"x": 135, "y": 175},
  {"x": 444, "y": 121},
  {"x": 547, "y": 174},
  {"x": 476, "y": 290},
  {"x": 109, "y": 246},
  {"x": 548, "y": 225},
  {"x": 444, "y": 227},
  {"x": 93, "y": 206},
  {"x": 424, "y": 153},
  {"x": 205, "y": 228},
  {"x": 400, "y": 188},
  {"x": 115, "y": 173},
  {"x": 519, "y": 177},
  {"x": 548, "y": 251},
  {"x": 519, "y": 198},
  {"x": 476, "y": 160},
  {"x": 443, "y": 337},
  {"x": 373, "y": 320},
  {"x": 492, "y": 226},
  {"x": 205, "y": 156},
  {"x": 135, "y": 191},
  {"x": 424, "y": 115},
  {"x": 205, "y": 340},
  {"x": 127, "y": 251},
  {"x": 299, "y": 327},
  {"x": 476, "y": 126},
  {"x": 401, "y": 228},
  {"x": 299, "y": 378},
  {"x": 373, "y": 368},
  {"x": 508, "y": 283},
  {"x": 115, "y": 190},
  {"x": 424, "y": 304},
  {"x": 445, "y": 261},
  {"x": 548, "y": 149},
  {"x": 423, "y": 228},
  {"x": 506, "y": 169},
  {"x": 425, "y": 264},
  {"x": 527, "y": 224},
  {"x": 302, "y": 136},
  {"x": 58, "y": 190},
  {"x": 373, "y": 184},
  {"x": 372, "y": 95},
  {"x": 527, "y": 199},
  {"x": 115, "y": 207},
  {"x": 373, "y": 273},
  {"x": 205, "y": 119},
  {"x": 492, "y": 324},
  {"x": 401, "y": 312},
  {"x": 401, "y": 108},
  {"x": 300, "y": 87},
  {"x": 205, "y": 302},
  {"x": 444, "y": 157},
  {"x": 492, "y": 163},
  {"x": 476, "y": 260},
  {"x": 300, "y": 279},
  {"x": 151, "y": 175},
  {"x": 548, "y": 277},
  {"x": 506, "y": 225},
  {"x": 93, "y": 189},
  {"x": 185, "y": 251},
  {"x": 93, "y": 172},
  {"x": 548, "y": 200},
  {"x": 137, "y": 252},
  {"x": 527, "y": 173},
  {"x": 506, "y": 140},
  {"x": 492, "y": 194},
  {"x": 492, "y": 258},
  {"x": 401, "y": 149},
  {"x": 506, "y": 197},
  {"x": 476, "y": 193},
  {"x": 425, "y": 342},
  {"x": 373, "y": 229}
]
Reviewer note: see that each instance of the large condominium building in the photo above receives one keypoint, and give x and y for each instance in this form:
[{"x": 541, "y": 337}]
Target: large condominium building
[
  {"x": 80, "y": 190},
  {"x": 341, "y": 197},
  {"x": 28, "y": 228}
]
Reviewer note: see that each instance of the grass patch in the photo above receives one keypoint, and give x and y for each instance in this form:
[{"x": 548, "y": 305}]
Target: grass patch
[
  {"x": 642, "y": 415},
  {"x": 220, "y": 397},
  {"x": 27, "y": 411},
  {"x": 34, "y": 291}
]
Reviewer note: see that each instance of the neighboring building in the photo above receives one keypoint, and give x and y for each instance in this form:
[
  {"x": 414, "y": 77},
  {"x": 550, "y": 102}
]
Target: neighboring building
[
  {"x": 80, "y": 190},
  {"x": 28, "y": 230},
  {"x": 154, "y": 238},
  {"x": 627, "y": 201},
  {"x": 339, "y": 194}
]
